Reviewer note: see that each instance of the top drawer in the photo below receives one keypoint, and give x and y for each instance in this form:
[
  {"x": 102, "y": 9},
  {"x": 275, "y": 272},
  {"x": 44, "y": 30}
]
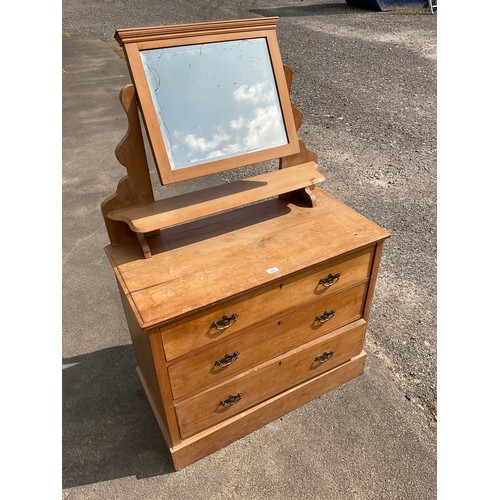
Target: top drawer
[{"x": 229, "y": 317}]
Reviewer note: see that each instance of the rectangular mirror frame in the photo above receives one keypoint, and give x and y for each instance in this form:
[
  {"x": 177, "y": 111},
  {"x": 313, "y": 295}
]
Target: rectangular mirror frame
[{"x": 135, "y": 40}]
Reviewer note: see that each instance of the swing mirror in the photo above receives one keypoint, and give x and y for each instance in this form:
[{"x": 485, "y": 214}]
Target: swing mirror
[{"x": 212, "y": 101}]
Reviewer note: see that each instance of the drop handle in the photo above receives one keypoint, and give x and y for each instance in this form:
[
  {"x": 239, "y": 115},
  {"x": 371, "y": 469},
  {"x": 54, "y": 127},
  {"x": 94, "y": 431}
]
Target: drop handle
[
  {"x": 326, "y": 316},
  {"x": 224, "y": 322},
  {"x": 227, "y": 359},
  {"x": 329, "y": 280},
  {"x": 324, "y": 357},
  {"x": 231, "y": 399}
]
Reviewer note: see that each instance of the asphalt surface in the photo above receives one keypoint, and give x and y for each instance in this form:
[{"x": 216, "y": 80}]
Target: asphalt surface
[{"x": 366, "y": 84}]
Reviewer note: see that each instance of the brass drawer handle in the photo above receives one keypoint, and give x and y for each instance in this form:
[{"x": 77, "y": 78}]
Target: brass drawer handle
[
  {"x": 323, "y": 357},
  {"x": 326, "y": 316},
  {"x": 224, "y": 322},
  {"x": 329, "y": 280},
  {"x": 231, "y": 399},
  {"x": 227, "y": 359}
]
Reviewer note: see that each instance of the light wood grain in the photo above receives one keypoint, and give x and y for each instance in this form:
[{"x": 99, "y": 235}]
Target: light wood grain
[
  {"x": 155, "y": 408},
  {"x": 148, "y": 111},
  {"x": 303, "y": 155},
  {"x": 261, "y": 305},
  {"x": 144, "y": 245},
  {"x": 136, "y": 186},
  {"x": 206, "y": 442},
  {"x": 145, "y": 362},
  {"x": 205, "y": 202},
  {"x": 154, "y": 33},
  {"x": 166, "y": 392},
  {"x": 138, "y": 39},
  {"x": 264, "y": 342},
  {"x": 266, "y": 380},
  {"x": 202, "y": 263},
  {"x": 373, "y": 280},
  {"x": 225, "y": 251},
  {"x": 153, "y": 373},
  {"x": 297, "y": 114}
]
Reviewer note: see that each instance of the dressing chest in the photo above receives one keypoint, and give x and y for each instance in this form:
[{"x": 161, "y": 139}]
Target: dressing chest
[{"x": 245, "y": 300}]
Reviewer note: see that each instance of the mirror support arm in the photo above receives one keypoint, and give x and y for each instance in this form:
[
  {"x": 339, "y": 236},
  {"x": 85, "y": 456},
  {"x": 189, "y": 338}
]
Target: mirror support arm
[
  {"x": 306, "y": 195},
  {"x": 135, "y": 187}
]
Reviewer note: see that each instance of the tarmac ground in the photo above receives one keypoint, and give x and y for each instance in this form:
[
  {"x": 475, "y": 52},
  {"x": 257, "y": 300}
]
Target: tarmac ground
[{"x": 365, "y": 83}]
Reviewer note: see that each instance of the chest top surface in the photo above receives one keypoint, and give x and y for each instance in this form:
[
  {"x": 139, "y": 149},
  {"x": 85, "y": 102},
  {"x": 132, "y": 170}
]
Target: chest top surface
[{"x": 201, "y": 263}]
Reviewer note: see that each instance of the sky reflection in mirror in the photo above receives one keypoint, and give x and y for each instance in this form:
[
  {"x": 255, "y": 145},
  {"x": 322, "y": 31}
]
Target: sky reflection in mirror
[{"x": 214, "y": 100}]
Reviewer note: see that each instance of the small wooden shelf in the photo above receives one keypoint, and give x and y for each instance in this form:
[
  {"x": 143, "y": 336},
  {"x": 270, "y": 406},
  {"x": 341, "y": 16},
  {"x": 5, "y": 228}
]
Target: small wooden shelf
[{"x": 150, "y": 217}]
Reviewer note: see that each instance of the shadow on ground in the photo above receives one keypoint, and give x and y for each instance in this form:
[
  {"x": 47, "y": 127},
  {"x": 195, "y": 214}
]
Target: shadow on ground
[
  {"x": 108, "y": 428},
  {"x": 320, "y": 9}
]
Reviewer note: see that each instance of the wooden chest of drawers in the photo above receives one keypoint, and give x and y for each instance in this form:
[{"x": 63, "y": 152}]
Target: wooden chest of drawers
[{"x": 241, "y": 317}]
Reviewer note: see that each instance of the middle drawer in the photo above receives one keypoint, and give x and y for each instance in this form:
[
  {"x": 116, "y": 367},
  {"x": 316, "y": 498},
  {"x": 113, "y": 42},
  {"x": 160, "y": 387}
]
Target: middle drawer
[{"x": 265, "y": 342}]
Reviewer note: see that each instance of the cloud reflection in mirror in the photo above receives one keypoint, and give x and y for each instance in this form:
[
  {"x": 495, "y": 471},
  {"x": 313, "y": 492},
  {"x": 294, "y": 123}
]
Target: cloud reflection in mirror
[{"x": 214, "y": 100}]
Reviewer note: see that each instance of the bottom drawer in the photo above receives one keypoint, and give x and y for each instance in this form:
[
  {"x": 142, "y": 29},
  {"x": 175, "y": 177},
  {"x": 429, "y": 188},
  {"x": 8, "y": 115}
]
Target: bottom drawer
[
  {"x": 253, "y": 386},
  {"x": 216, "y": 437}
]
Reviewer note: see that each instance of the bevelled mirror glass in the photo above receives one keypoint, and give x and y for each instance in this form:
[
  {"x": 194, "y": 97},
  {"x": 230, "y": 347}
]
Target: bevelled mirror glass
[{"x": 214, "y": 100}]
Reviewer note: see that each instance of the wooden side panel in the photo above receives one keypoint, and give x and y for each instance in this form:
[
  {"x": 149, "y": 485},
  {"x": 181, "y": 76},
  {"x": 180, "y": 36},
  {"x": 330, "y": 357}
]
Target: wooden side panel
[
  {"x": 373, "y": 280},
  {"x": 153, "y": 373},
  {"x": 164, "y": 383},
  {"x": 156, "y": 409},
  {"x": 136, "y": 186},
  {"x": 220, "y": 435},
  {"x": 305, "y": 154},
  {"x": 270, "y": 378},
  {"x": 306, "y": 194},
  {"x": 143, "y": 355}
]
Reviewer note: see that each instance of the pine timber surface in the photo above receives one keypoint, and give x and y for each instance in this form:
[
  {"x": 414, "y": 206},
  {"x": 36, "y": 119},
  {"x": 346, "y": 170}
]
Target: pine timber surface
[
  {"x": 179, "y": 209},
  {"x": 224, "y": 433},
  {"x": 272, "y": 377},
  {"x": 134, "y": 35},
  {"x": 203, "y": 262},
  {"x": 134, "y": 40},
  {"x": 264, "y": 342},
  {"x": 264, "y": 303}
]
